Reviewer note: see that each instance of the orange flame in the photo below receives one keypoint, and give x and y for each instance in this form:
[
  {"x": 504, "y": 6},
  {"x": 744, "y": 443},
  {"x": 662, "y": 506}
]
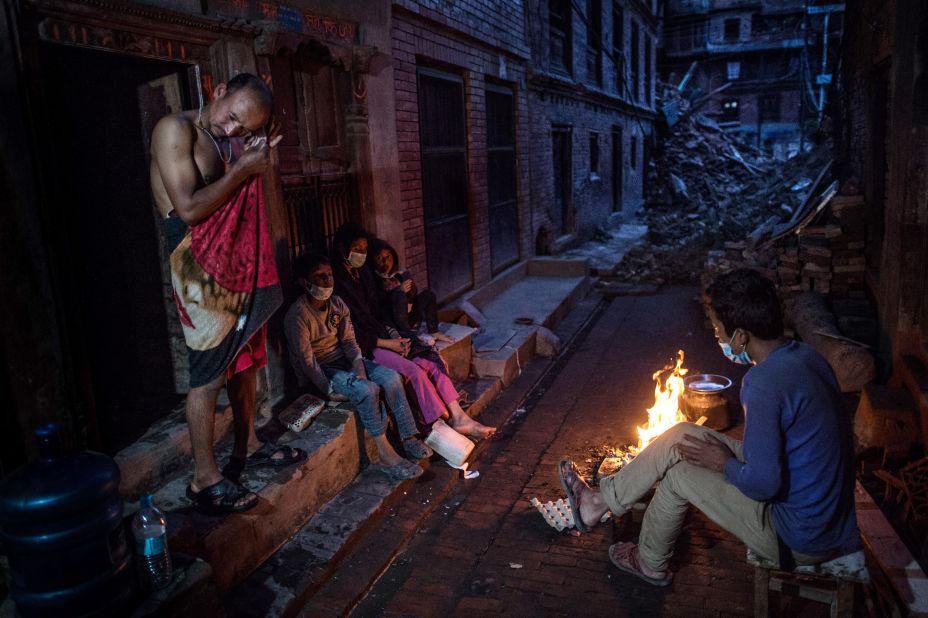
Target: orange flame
[{"x": 665, "y": 413}]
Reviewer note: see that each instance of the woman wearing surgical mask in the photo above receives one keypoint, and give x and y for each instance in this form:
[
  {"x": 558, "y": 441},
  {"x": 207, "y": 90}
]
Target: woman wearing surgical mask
[{"x": 435, "y": 393}]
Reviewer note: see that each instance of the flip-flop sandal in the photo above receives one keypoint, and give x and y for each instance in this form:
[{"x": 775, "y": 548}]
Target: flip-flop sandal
[
  {"x": 564, "y": 468},
  {"x": 222, "y": 498},
  {"x": 403, "y": 471},
  {"x": 625, "y": 558},
  {"x": 264, "y": 456}
]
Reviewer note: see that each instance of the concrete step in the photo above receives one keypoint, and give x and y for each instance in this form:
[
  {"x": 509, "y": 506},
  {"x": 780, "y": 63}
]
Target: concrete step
[
  {"x": 457, "y": 355},
  {"x": 336, "y": 474},
  {"x": 506, "y": 363},
  {"x": 605, "y": 255},
  {"x": 234, "y": 545},
  {"x": 537, "y": 293},
  {"x": 162, "y": 452},
  {"x": 310, "y": 559}
]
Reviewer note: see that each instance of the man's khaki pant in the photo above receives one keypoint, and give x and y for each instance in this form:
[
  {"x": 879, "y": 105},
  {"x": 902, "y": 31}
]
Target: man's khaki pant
[{"x": 682, "y": 484}]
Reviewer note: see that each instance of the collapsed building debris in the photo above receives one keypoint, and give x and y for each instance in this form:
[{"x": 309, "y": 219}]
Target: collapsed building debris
[
  {"x": 715, "y": 204},
  {"x": 706, "y": 187}
]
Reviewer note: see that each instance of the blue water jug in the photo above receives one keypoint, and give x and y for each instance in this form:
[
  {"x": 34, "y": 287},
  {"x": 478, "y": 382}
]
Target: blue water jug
[{"x": 61, "y": 528}]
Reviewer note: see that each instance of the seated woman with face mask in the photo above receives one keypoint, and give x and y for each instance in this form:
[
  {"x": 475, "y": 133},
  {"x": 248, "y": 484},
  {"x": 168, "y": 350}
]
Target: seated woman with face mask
[
  {"x": 435, "y": 393},
  {"x": 405, "y": 308}
]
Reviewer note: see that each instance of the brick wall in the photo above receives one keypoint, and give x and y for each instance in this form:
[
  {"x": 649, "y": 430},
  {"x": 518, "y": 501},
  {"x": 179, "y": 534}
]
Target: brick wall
[
  {"x": 576, "y": 101},
  {"x": 438, "y": 35}
]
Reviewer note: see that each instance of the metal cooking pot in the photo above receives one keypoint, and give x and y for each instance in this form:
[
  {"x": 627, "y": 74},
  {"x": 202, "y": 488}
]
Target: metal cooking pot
[{"x": 705, "y": 394}]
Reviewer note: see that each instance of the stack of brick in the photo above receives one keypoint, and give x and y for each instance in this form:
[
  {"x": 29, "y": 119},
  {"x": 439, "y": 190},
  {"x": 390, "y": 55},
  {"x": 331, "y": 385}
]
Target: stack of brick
[{"x": 827, "y": 258}]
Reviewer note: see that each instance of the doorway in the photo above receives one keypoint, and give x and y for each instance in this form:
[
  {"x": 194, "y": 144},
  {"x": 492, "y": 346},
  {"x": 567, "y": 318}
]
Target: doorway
[
  {"x": 445, "y": 195},
  {"x": 501, "y": 178},
  {"x": 618, "y": 168},
  {"x": 561, "y": 140},
  {"x": 99, "y": 109}
]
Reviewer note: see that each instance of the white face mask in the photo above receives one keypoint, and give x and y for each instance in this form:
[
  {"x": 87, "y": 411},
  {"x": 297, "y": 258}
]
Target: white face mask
[
  {"x": 356, "y": 260},
  {"x": 320, "y": 293}
]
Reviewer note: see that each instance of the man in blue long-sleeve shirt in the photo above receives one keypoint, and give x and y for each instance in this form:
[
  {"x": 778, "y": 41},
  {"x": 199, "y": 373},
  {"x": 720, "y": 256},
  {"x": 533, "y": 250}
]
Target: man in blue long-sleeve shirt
[{"x": 787, "y": 490}]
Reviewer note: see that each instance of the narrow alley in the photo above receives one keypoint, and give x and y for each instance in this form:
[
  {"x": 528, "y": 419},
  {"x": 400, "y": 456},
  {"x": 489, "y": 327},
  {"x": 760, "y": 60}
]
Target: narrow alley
[
  {"x": 305, "y": 301},
  {"x": 486, "y": 550}
]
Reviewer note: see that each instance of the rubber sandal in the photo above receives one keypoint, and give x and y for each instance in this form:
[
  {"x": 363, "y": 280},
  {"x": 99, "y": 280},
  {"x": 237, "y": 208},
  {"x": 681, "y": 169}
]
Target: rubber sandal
[
  {"x": 264, "y": 456},
  {"x": 565, "y": 468},
  {"x": 403, "y": 471},
  {"x": 416, "y": 449},
  {"x": 625, "y": 558},
  {"x": 222, "y": 498}
]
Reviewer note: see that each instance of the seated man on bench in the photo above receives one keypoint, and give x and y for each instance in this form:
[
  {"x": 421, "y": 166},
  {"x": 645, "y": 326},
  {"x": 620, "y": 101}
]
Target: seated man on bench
[
  {"x": 787, "y": 490},
  {"x": 325, "y": 354}
]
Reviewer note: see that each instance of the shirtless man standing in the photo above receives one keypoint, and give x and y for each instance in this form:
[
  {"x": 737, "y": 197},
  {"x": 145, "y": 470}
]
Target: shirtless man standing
[{"x": 199, "y": 161}]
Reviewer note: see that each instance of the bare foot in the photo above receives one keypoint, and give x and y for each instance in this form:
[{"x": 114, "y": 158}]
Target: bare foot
[{"x": 467, "y": 426}]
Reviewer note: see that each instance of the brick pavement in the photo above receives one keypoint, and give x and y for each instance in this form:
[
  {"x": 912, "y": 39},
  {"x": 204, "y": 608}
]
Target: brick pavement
[{"x": 462, "y": 560}]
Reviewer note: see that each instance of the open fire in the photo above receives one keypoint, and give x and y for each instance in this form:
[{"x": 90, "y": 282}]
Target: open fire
[{"x": 665, "y": 413}]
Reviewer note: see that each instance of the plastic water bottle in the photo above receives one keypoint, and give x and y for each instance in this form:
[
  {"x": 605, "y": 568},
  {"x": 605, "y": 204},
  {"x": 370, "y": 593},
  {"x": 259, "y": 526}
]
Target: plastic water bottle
[{"x": 151, "y": 545}]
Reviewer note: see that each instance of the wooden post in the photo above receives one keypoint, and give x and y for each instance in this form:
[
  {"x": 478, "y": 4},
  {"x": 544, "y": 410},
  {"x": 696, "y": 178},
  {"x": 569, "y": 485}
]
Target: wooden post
[{"x": 359, "y": 148}]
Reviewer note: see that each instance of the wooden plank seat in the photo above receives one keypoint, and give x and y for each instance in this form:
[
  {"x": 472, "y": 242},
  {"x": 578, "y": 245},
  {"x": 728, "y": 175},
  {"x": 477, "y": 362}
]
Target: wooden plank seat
[{"x": 830, "y": 582}]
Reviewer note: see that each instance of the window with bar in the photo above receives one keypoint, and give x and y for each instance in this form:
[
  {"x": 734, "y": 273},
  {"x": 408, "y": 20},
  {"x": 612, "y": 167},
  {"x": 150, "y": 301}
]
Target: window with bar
[
  {"x": 559, "y": 35},
  {"x": 634, "y": 62},
  {"x": 732, "y": 29},
  {"x": 618, "y": 47},
  {"x": 594, "y": 155},
  {"x": 647, "y": 70},
  {"x": 731, "y": 111},
  {"x": 594, "y": 47}
]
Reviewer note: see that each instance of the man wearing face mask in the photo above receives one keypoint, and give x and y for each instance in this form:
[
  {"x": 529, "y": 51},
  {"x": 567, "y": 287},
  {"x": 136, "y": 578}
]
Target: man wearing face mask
[
  {"x": 786, "y": 490},
  {"x": 324, "y": 353}
]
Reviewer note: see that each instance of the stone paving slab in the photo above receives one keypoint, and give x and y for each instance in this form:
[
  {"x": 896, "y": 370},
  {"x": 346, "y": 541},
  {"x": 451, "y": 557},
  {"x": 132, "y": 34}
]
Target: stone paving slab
[{"x": 604, "y": 257}]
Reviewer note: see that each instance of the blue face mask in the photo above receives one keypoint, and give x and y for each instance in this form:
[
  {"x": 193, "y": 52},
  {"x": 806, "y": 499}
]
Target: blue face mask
[{"x": 739, "y": 359}]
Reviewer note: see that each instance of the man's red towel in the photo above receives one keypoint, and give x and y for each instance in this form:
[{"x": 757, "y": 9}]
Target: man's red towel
[{"x": 225, "y": 282}]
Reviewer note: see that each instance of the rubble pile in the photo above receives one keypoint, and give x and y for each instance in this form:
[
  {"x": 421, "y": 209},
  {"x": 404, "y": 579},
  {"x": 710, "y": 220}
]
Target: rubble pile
[
  {"x": 825, "y": 258},
  {"x": 706, "y": 187}
]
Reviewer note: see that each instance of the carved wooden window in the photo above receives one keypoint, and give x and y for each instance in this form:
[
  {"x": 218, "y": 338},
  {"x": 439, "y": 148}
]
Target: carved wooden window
[{"x": 308, "y": 102}]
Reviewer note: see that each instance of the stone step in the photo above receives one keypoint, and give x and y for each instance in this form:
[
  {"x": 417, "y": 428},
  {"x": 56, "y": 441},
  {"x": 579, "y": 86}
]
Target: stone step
[
  {"x": 310, "y": 559},
  {"x": 162, "y": 452},
  {"x": 234, "y": 545},
  {"x": 506, "y": 363},
  {"x": 537, "y": 300},
  {"x": 457, "y": 355},
  {"x": 336, "y": 474}
]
